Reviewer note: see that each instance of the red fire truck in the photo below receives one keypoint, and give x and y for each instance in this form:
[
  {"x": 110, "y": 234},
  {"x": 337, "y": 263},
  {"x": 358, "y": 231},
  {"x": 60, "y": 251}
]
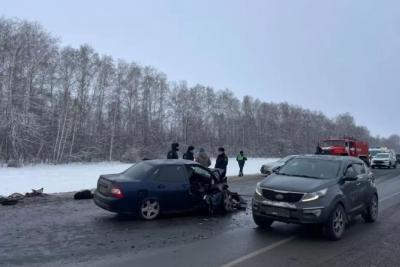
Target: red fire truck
[{"x": 346, "y": 146}]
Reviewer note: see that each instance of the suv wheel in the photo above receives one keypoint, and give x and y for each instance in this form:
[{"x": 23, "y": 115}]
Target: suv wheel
[
  {"x": 262, "y": 222},
  {"x": 372, "y": 208},
  {"x": 336, "y": 223}
]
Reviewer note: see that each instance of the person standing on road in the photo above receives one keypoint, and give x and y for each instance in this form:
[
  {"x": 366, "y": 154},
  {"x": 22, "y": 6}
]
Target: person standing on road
[
  {"x": 189, "y": 155},
  {"x": 241, "y": 159},
  {"x": 222, "y": 161},
  {"x": 318, "y": 150},
  {"x": 203, "y": 158},
  {"x": 173, "y": 153}
]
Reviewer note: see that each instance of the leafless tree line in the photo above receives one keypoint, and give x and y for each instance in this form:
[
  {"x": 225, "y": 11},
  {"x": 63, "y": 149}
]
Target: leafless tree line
[{"x": 62, "y": 104}]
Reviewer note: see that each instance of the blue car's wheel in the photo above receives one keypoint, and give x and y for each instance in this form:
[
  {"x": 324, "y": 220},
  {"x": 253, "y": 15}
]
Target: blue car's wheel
[
  {"x": 227, "y": 205},
  {"x": 149, "y": 209}
]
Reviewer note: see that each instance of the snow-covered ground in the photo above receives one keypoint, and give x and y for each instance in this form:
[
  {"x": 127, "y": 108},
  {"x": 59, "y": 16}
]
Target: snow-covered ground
[{"x": 77, "y": 176}]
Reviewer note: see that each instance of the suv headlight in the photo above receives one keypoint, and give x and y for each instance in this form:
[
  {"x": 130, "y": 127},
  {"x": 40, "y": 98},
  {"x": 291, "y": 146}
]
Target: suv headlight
[
  {"x": 314, "y": 196},
  {"x": 258, "y": 189}
]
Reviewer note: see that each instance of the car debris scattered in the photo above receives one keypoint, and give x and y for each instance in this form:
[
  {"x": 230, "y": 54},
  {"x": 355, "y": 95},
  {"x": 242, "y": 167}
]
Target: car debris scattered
[
  {"x": 7, "y": 201},
  {"x": 35, "y": 193},
  {"x": 16, "y": 197},
  {"x": 84, "y": 194}
]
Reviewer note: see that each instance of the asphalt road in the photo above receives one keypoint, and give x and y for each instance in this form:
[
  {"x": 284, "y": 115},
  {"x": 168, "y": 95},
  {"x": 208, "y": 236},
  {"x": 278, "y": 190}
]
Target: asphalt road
[{"x": 57, "y": 230}]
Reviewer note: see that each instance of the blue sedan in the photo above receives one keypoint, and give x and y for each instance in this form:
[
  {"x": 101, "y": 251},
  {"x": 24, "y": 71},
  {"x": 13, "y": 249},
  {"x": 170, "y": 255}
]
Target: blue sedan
[{"x": 150, "y": 188}]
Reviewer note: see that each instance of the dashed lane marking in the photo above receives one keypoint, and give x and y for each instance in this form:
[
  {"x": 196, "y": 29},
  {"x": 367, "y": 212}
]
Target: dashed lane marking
[
  {"x": 258, "y": 252},
  {"x": 389, "y": 197}
]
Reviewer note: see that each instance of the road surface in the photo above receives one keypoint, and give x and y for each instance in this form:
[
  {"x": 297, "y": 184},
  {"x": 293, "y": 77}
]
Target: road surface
[{"x": 58, "y": 231}]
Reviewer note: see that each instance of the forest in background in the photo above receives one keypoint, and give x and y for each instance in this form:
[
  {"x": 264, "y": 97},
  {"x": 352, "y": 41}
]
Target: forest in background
[{"x": 64, "y": 104}]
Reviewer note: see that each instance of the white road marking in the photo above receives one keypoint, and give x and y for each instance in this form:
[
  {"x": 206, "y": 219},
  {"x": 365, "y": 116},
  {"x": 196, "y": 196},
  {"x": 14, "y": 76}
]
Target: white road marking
[
  {"x": 258, "y": 252},
  {"x": 277, "y": 244},
  {"x": 389, "y": 196}
]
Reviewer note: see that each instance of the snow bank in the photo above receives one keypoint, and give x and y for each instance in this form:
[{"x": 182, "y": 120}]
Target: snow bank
[{"x": 77, "y": 176}]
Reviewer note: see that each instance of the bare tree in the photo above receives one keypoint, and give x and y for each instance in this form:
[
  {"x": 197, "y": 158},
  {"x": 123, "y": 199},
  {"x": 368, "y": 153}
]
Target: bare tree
[{"x": 61, "y": 104}]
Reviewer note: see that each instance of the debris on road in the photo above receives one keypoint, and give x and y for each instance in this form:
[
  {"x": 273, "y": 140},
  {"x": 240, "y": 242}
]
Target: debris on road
[
  {"x": 16, "y": 197},
  {"x": 11, "y": 199},
  {"x": 35, "y": 193},
  {"x": 84, "y": 194},
  {"x": 8, "y": 201}
]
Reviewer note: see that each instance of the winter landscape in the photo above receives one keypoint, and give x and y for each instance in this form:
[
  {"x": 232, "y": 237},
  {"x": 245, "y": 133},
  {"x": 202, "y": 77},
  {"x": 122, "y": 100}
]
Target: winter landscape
[
  {"x": 225, "y": 133},
  {"x": 78, "y": 176}
]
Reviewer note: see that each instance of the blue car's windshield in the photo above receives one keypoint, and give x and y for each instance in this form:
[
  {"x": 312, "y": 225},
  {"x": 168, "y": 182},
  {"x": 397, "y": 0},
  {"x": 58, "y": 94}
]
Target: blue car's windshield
[
  {"x": 138, "y": 171},
  {"x": 312, "y": 168}
]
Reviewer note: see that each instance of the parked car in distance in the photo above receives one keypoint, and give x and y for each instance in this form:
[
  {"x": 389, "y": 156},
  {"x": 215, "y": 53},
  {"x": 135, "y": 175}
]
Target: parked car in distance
[
  {"x": 150, "y": 188},
  {"x": 373, "y": 151},
  {"x": 317, "y": 189},
  {"x": 269, "y": 168},
  {"x": 387, "y": 160}
]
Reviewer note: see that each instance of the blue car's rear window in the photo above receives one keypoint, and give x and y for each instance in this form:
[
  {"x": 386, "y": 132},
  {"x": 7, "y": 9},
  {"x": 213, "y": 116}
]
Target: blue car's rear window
[{"x": 138, "y": 171}]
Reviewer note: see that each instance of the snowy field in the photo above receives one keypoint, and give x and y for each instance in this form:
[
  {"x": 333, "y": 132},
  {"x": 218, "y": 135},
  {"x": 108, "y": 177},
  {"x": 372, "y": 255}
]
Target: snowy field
[{"x": 78, "y": 176}]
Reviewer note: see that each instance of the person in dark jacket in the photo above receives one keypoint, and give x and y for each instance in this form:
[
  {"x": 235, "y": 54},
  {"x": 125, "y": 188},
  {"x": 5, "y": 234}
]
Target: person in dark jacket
[
  {"x": 189, "y": 155},
  {"x": 318, "y": 150},
  {"x": 173, "y": 153},
  {"x": 241, "y": 159},
  {"x": 222, "y": 161}
]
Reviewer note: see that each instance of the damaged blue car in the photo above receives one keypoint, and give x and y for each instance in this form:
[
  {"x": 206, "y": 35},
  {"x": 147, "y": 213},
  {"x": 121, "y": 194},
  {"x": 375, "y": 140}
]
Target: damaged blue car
[{"x": 154, "y": 187}]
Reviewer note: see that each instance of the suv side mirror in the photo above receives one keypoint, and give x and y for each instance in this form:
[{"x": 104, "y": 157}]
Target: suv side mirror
[
  {"x": 276, "y": 170},
  {"x": 350, "y": 177}
]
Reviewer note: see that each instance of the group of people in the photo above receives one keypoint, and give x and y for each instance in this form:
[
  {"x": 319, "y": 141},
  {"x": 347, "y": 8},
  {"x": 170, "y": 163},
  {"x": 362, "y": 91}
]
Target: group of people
[{"x": 202, "y": 157}]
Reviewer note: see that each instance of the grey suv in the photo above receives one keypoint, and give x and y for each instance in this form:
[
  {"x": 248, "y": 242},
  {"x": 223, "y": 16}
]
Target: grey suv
[{"x": 317, "y": 189}]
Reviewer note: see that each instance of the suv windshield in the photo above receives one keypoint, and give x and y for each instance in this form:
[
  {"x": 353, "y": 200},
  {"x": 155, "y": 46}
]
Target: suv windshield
[
  {"x": 283, "y": 160},
  {"x": 138, "y": 171},
  {"x": 312, "y": 168},
  {"x": 382, "y": 156}
]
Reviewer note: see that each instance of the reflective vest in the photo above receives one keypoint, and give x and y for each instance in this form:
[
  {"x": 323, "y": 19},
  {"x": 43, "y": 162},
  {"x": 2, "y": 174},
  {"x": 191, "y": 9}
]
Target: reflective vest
[{"x": 240, "y": 158}]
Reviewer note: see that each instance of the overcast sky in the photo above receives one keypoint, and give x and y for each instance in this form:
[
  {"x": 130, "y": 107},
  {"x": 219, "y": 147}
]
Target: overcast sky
[{"x": 333, "y": 56}]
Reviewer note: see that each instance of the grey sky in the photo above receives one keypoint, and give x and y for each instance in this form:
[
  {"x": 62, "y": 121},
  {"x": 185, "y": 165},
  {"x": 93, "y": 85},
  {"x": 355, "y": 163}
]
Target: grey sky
[{"x": 334, "y": 56}]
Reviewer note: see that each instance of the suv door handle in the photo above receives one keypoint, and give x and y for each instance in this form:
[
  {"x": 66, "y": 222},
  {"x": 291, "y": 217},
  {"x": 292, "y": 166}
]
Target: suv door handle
[{"x": 358, "y": 183}]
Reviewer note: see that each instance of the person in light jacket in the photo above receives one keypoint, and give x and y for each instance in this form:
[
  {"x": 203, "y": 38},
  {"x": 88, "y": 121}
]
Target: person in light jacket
[
  {"x": 241, "y": 159},
  {"x": 203, "y": 158}
]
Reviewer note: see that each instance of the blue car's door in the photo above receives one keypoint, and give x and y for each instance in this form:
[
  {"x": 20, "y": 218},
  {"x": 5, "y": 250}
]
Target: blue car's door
[{"x": 171, "y": 186}]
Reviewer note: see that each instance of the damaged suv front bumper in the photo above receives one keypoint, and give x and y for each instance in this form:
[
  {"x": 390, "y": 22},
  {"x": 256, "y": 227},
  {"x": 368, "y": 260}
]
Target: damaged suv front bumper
[{"x": 288, "y": 212}]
